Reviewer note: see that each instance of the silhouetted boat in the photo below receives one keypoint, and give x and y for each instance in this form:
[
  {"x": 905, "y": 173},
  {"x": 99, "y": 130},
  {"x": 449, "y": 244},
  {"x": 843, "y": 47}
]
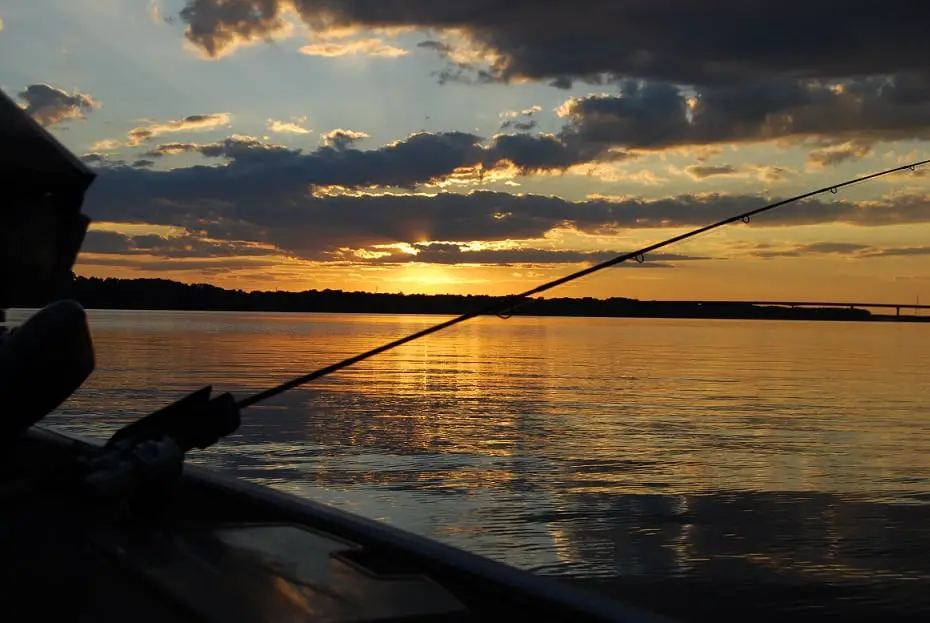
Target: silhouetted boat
[
  {"x": 213, "y": 548},
  {"x": 119, "y": 532}
]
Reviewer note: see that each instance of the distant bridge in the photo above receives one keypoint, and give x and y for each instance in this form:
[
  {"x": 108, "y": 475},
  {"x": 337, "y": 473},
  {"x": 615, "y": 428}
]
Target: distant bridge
[{"x": 896, "y": 306}]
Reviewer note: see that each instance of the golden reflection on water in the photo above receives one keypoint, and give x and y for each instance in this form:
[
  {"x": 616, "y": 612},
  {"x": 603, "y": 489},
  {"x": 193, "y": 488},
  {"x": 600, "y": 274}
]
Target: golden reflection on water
[{"x": 578, "y": 446}]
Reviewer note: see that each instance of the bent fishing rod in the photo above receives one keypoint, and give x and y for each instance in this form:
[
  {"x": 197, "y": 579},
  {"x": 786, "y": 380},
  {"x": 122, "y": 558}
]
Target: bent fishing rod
[{"x": 508, "y": 303}]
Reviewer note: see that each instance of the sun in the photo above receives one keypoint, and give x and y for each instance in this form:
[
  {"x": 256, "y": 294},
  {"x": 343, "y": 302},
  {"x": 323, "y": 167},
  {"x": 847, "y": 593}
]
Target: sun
[{"x": 433, "y": 279}]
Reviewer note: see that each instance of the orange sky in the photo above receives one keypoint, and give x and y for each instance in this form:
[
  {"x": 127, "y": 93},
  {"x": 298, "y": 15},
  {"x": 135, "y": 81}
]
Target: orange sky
[
  {"x": 425, "y": 149},
  {"x": 730, "y": 275}
]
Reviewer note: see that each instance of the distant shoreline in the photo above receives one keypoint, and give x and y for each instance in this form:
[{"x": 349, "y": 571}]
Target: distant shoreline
[
  {"x": 871, "y": 318},
  {"x": 165, "y": 295}
]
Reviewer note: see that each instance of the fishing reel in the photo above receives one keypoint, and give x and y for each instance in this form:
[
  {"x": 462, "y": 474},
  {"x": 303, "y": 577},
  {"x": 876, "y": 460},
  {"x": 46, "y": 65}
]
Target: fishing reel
[
  {"x": 139, "y": 465},
  {"x": 149, "y": 453}
]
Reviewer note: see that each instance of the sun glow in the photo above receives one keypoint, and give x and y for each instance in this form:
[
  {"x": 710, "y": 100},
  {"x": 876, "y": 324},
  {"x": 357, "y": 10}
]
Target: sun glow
[{"x": 433, "y": 279}]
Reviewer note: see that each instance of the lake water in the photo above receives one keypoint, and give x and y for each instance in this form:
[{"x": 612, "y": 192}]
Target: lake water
[{"x": 706, "y": 467}]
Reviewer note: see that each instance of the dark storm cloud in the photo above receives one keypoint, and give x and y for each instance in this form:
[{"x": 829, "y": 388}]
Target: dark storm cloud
[
  {"x": 676, "y": 40},
  {"x": 50, "y": 105}
]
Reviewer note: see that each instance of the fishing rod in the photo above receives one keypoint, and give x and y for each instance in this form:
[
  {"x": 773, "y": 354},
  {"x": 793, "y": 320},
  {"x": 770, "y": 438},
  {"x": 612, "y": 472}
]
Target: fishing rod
[
  {"x": 499, "y": 307},
  {"x": 151, "y": 449},
  {"x": 199, "y": 420}
]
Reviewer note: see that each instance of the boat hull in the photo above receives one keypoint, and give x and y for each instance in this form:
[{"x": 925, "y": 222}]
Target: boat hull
[{"x": 217, "y": 548}]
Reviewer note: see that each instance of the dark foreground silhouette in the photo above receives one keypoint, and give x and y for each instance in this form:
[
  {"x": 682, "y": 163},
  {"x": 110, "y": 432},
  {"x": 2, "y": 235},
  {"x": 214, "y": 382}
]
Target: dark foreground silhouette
[{"x": 164, "y": 294}]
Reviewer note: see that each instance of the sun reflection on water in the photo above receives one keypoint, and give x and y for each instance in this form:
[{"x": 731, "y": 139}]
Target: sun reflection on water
[{"x": 590, "y": 448}]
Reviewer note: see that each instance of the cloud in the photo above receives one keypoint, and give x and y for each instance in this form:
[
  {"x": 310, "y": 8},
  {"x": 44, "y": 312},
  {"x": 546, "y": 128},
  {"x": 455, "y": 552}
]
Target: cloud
[
  {"x": 219, "y": 27},
  {"x": 50, "y": 105},
  {"x": 367, "y": 47},
  {"x": 287, "y": 127},
  {"x": 768, "y": 173},
  {"x": 106, "y": 145},
  {"x": 700, "y": 172},
  {"x": 765, "y": 173},
  {"x": 526, "y": 112},
  {"x": 279, "y": 197},
  {"x": 154, "y": 12},
  {"x": 522, "y": 126},
  {"x": 201, "y": 267},
  {"x": 253, "y": 164},
  {"x": 837, "y": 154},
  {"x": 832, "y": 247},
  {"x": 903, "y": 251},
  {"x": 420, "y": 158},
  {"x": 141, "y": 134},
  {"x": 263, "y": 194},
  {"x": 342, "y": 139},
  {"x": 105, "y": 242},
  {"x": 137, "y": 250},
  {"x": 657, "y": 116},
  {"x": 850, "y": 249},
  {"x": 684, "y": 74},
  {"x": 447, "y": 253},
  {"x": 510, "y": 119},
  {"x": 111, "y": 242},
  {"x": 172, "y": 149},
  {"x": 1, "y": 25},
  {"x": 142, "y": 162},
  {"x": 674, "y": 40},
  {"x": 548, "y": 152}
]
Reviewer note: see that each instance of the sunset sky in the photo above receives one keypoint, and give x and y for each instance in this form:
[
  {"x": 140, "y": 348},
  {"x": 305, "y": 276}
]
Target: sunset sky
[{"x": 482, "y": 146}]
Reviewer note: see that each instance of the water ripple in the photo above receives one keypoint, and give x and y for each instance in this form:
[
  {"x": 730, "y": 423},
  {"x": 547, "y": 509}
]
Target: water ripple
[{"x": 785, "y": 462}]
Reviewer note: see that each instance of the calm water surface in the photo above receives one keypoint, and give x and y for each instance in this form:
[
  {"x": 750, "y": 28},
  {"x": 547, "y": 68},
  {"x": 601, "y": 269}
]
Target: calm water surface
[{"x": 788, "y": 462}]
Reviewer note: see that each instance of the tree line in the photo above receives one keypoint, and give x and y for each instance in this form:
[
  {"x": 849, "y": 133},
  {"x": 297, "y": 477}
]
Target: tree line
[{"x": 164, "y": 294}]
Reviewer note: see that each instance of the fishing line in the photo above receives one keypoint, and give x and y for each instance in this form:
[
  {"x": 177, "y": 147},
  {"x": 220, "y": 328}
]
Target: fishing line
[{"x": 503, "y": 307}]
